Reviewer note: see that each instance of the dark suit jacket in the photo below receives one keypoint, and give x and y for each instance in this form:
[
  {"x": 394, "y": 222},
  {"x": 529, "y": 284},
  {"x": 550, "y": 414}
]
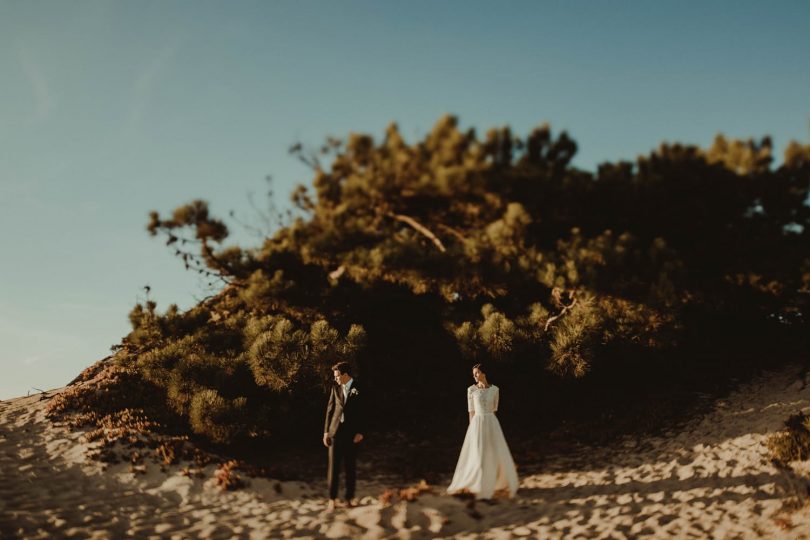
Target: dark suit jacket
[{"x": 352, "y": 409}]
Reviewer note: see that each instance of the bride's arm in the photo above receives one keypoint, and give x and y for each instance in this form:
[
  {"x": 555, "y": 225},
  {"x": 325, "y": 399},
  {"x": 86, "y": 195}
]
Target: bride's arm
[{"x": 470, "y": 406}]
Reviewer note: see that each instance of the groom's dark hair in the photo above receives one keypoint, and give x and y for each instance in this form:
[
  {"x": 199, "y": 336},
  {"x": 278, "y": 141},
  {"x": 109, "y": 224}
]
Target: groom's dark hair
[{"x": 343, "y": 367}]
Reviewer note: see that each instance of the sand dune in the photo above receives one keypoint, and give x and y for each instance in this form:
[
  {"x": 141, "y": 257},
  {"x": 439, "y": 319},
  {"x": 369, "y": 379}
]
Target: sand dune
[{"x": 710, "y": 479}]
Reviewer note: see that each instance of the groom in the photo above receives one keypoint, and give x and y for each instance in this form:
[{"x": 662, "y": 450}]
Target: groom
[{"x": 342, "y": 431}]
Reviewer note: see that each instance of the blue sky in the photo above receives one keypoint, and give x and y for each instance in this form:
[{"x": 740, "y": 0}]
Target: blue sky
[{"x": 109, "y": 110}]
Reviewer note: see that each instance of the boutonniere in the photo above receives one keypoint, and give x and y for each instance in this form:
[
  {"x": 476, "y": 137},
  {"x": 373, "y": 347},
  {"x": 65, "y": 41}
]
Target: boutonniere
[{"x": 354, "y": 392}]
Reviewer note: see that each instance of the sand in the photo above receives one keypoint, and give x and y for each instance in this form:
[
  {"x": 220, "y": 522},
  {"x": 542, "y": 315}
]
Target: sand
[{"x": 711, "y": 478}]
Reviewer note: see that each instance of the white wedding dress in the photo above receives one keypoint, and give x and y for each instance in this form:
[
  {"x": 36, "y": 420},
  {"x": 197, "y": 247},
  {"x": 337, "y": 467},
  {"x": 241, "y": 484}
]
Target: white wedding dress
[{"x": 485, "y": 464}]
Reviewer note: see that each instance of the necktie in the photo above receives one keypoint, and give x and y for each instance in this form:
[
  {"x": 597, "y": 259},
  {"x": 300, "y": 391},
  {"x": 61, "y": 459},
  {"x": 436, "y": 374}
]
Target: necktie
[{"x": 345, "y": 396}]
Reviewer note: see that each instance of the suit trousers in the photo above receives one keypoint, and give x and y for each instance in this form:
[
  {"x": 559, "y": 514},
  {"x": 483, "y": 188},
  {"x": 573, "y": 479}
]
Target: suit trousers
[{"x": 343, "y": 451}]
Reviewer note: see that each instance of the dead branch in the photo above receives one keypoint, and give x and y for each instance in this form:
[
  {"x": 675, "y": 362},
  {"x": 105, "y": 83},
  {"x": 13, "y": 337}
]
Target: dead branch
[
  {"x": 420, "y": 228},
  {"x": 560, "y": 314},
  {"x": 335, "y": 274},
  {"x": 452, "y": 231},
  {"x": 223, "y": 271}
]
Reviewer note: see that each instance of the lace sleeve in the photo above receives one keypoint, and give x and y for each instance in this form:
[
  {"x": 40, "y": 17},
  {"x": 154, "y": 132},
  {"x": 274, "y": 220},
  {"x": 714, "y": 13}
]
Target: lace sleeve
[
  {"x": 495, "y": 399},
  {"x": 470, "y": 406}
]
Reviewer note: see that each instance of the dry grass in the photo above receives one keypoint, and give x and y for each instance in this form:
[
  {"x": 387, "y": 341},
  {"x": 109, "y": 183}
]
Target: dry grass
[
  {"x": 408, "y": 494},
  {"x": 226, "y": 476},
  {"x": 792, "y": 443}
]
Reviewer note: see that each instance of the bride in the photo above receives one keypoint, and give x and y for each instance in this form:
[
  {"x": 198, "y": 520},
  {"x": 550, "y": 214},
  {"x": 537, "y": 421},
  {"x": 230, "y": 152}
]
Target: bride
[{"x": 485, "y": 465}]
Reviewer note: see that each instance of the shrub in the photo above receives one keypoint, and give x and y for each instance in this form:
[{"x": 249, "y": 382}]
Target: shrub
[
  {"x": 467, "y": 339},
  {"x": 112, "y": 388},
  {"x": 149, "y": 328},
  {"x": 215, "y": 417},
  {"x": 411, "y": 240},
  {"x": 793, "y": 443},
  {"x": 323, "y": 338},
  {"x": 256, "y": 326},
  {"x": 277, "y": 356},
  {"x": 497, "y": 333},
  {"x": 157, "y": 364},
  {"x": 575, "y": 338},
  {"x": 226, "y": 477}
]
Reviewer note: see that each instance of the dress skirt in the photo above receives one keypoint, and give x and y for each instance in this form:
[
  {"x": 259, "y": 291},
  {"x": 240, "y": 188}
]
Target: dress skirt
[{"x": 485, "y": 464}]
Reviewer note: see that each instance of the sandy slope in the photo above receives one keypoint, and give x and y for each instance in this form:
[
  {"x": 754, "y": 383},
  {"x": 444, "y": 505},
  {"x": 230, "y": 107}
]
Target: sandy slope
[{"x": 710, "y": 479}]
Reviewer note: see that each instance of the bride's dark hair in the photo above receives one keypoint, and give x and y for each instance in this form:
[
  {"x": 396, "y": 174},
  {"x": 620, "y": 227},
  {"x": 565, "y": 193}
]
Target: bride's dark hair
[{"x": 482, "y": 368}]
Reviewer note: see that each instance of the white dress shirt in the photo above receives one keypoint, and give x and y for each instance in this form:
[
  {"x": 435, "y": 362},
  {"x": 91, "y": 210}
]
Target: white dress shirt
[{"x": 346, "y": 387}]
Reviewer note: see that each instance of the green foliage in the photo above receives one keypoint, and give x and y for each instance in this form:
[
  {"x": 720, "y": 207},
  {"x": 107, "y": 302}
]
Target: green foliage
[
  {"x": 228, "y": 264},
  {"x": 277, "y": 356},
  {"x": 262, "y": 289},
  {"x": 576, "y": 338},
  {"x": 467, "y": 337},
  {"x": 742, "y": 157},
  {"x": 150, "y": 328},
  {"x": 215, "y": 417},
  {"x": 506, "y": 235},
  {"x": 281, "y": 355},
  {"x": 497, "y": 333},
  {"x": 157, "y": 364},
  {"x": 495, "y": 336}
]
